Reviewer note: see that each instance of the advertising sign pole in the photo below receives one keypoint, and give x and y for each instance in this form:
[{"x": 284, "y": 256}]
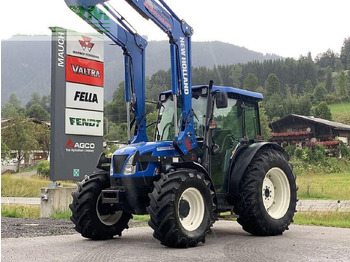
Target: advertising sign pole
[{"x": 77, "y": 104}]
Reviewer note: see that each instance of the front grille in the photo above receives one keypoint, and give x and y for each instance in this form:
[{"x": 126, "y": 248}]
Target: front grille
[
  {"x": 118, "y": 163},
  {"x": 144, "y": 165}
]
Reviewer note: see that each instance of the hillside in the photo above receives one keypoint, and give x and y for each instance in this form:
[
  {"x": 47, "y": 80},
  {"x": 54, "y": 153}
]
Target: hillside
[{"x": 26, "y": 63}]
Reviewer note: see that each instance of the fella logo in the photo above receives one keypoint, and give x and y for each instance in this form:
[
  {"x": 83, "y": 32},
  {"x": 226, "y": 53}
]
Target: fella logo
[{"x": 86, "y": 43}]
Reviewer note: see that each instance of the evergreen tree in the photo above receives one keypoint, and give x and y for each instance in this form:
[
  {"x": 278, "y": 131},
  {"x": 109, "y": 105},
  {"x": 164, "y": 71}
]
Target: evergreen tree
[
  {"x": 236, "y": 74},
  {"x": 272, "y": 86},
  {"x": 342, "y": 85},
  {"x": 326, "y": 59},
  {"x": 322, "y": 111},
  {"x": 304, "y": 105},
  {"x": 345, "y": 53},
  {"x": 309, "y": 87},
  {"x": 274, "y": 106},
  {"x": 319, "y": 93},
  {"x": 329, "y": 81},
  {"x": 264, "y": 125},
  {"x": 251, "y": 82}
]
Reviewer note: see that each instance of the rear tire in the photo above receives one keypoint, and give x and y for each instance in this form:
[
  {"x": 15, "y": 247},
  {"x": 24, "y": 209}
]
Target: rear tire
[
  {"x": 181, "y": 209},
  {"x": 267, "y": 196},
  {"x": 92, "y": 218}
]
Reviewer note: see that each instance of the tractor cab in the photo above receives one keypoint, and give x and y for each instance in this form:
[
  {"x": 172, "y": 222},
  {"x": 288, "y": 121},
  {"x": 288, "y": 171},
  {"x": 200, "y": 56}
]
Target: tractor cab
[{"x": 234, "y": 118}]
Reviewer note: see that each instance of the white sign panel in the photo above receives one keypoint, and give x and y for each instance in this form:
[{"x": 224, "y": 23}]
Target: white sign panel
[
  {"x": 84, "y": 96},
  {"x": 82, "y": 122},
  {"x": 88, "y": 47}
]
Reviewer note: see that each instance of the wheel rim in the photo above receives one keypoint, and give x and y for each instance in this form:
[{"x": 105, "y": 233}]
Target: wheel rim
[
  {"x": 109, "y": 219},
  {"x": 191, "y": 209},
  {"x": 276, "y": 193}
]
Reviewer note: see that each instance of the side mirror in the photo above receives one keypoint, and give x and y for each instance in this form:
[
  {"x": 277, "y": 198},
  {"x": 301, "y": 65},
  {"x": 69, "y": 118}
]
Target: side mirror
[{"x": 221, "y": 100}]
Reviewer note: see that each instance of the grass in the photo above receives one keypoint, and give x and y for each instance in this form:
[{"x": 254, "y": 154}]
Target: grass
[
  {"x": 340, "y": 112},
  {"x": 20, "y": 211},
  {"x": 141, "y": 217},
  {"x": 328, "y": 219},
  {"x": 24, "y": 187},
  {"x": 339, "y": 108},
  {"x": 334, "y": 186},
  {"x": 28, "y": 211}
]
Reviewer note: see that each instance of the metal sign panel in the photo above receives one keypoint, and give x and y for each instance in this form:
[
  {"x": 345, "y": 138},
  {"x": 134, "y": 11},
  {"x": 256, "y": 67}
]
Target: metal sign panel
[
  {"x": 84, "y": 71},
  {"x": 83, "y": 122},
  {"x": 83, "y": 46},
  {"x": 76, "y": 100},
  {"x": 84, "y": 97}
]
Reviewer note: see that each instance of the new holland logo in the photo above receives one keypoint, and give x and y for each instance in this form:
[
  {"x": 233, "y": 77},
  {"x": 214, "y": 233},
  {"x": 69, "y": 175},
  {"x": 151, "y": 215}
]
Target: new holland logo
[
  {"x": 79, "y": 147},
  {"x": 86, "y": 43}
]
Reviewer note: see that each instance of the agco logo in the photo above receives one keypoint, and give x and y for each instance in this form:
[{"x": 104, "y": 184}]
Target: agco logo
[
  {"x": 79, "y": 147},
  {"x": 86, "y": 43}
]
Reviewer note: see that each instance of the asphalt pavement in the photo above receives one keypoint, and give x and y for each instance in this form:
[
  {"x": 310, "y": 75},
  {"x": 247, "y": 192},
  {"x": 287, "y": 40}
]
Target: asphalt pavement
[{"x": 228, "y": 242}]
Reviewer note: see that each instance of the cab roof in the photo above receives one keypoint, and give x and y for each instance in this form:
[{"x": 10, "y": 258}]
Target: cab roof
[{"x": 227, "y": 89}]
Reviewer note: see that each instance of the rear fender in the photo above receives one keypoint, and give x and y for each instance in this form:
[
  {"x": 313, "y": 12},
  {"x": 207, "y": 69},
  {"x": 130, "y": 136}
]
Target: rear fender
[{"x": 239, "y": 166}]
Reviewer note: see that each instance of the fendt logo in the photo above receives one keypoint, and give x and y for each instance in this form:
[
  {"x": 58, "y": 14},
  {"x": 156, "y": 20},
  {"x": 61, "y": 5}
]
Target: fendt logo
[
  {"x": 79, "y": 147},
  {"x": 86, "y": 43},
  {"x": 78, "y": 121}
]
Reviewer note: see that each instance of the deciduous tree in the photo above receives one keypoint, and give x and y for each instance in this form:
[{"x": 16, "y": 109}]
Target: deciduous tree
[
  {"x": 38, "y": 112},
  {"x": 19, "y": 137}
]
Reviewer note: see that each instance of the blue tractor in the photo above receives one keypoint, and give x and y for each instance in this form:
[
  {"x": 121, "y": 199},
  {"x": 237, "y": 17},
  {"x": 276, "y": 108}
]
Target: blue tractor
[{"x": 206, "y": 157}]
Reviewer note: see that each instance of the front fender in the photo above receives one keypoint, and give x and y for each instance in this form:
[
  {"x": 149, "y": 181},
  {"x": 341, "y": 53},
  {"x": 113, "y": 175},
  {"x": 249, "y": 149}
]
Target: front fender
[
  {"x": 239, "y": 166},
  {"x": 199, "y": 168}
]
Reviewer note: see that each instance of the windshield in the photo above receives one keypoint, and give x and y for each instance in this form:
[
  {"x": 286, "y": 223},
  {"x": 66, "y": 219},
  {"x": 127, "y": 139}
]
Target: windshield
[{"x": 165, "y": 127}]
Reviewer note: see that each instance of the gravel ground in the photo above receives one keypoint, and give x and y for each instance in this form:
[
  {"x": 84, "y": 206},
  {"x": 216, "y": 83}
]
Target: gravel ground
[{"x": 34, "y": 227}]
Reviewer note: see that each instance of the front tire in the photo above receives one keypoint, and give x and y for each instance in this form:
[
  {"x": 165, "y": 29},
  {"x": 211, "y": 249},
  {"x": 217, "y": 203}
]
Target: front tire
[
  {"x": 92, "y": 218},
  {"x": 267, "y": 196},
  {"x": 181, "y": 209}
]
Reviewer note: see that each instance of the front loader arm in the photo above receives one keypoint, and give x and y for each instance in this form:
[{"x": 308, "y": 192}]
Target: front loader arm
[
  {"x": 133, "y": 46},
  {"x": 179, "y": 33}
]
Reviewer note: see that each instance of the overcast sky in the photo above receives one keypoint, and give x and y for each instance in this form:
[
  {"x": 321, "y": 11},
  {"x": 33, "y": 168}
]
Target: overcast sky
[{"x": 284, "y": 27}]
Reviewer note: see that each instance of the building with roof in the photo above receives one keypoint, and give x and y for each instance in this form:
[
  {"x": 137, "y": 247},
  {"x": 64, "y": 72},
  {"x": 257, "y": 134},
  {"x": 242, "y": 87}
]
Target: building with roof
[{"x": 300, "y": 130}]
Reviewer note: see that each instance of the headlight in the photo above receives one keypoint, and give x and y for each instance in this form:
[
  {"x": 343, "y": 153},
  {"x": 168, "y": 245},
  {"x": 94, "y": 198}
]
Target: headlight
[
  {"x": 111, "y": 168},
  {"x": 129, "y": 169}
]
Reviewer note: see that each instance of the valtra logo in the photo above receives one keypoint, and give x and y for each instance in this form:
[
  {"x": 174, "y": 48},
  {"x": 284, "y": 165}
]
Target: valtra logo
[
  {"x": 84, "y": 71},
  {"x": 86, "y": 43}
]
